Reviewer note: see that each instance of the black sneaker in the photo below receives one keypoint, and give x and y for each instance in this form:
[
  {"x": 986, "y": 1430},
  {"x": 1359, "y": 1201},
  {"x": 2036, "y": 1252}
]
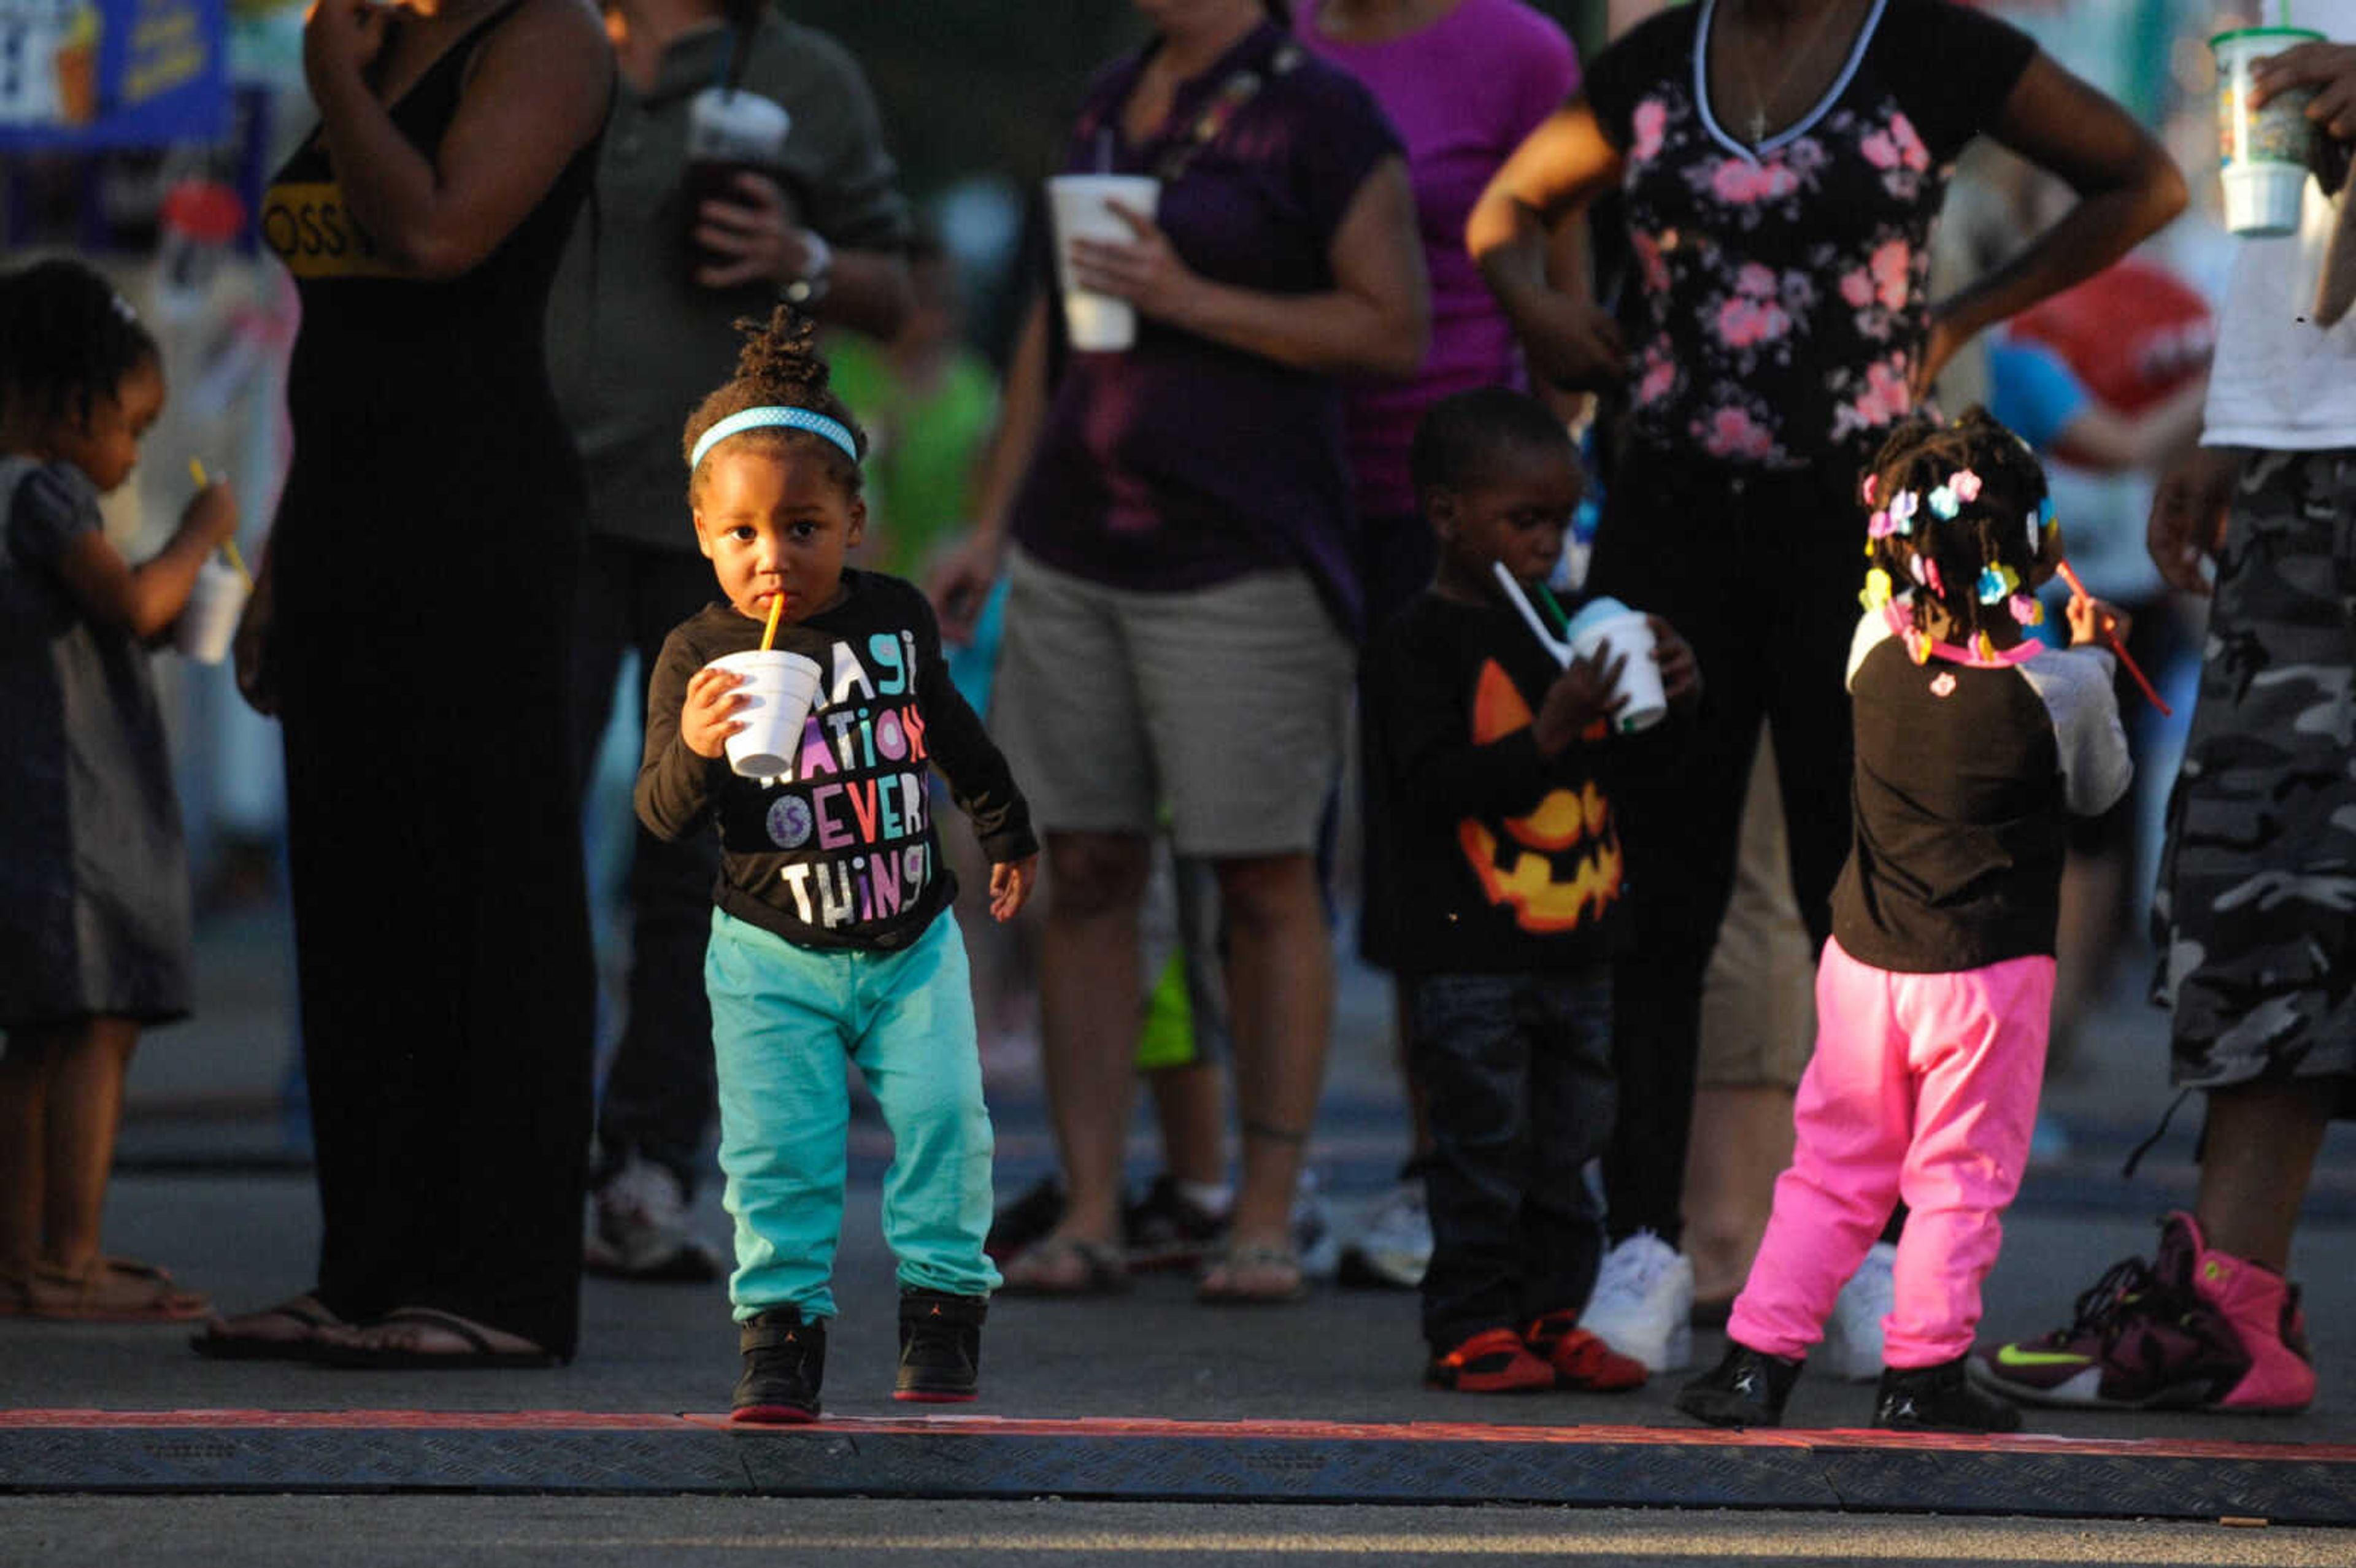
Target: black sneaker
[
  {"x": 940, "y": 1345},
  {"x": 1169, "y": 1229},
  {"x": 1026, "y": 1218},
  {"x": 1747, "y": 1389},
  {"x": 1940, "y": 1399},
  {"x": 785, "y": 1363}
]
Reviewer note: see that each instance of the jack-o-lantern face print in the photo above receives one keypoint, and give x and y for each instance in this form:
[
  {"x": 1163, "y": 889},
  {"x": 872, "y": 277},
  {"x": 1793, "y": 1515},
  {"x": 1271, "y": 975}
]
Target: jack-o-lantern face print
[{"x": 1556, "y": 868}]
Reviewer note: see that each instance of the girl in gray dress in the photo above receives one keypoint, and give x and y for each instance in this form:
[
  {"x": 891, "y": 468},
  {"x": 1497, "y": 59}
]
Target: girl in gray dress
[{"x": 94, "y": 939}]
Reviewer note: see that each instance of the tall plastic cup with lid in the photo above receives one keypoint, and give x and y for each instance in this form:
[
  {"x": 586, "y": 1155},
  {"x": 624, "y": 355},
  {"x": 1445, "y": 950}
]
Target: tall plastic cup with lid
[
  {"x": 729, "y": 131},
  {"x": 2262, "y": 153}
]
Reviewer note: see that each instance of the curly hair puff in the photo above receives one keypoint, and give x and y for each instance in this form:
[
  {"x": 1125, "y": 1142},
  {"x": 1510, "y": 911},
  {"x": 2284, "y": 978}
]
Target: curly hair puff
[{"x": 779, "y": 366}]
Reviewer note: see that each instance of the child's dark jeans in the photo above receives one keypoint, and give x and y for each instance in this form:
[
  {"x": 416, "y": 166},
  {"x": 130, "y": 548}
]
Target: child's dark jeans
[{"x": 1516, "y": 1072}]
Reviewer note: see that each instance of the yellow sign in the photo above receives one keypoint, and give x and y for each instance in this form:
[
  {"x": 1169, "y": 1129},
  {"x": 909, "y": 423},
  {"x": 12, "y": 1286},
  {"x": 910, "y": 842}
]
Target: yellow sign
[{"x": 314, "y": 233}]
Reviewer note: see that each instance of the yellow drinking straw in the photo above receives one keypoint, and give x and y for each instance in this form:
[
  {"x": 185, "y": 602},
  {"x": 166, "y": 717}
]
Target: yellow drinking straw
[
  {"x": 228, "y": 546},
  {"x": 769, "y": 633}
]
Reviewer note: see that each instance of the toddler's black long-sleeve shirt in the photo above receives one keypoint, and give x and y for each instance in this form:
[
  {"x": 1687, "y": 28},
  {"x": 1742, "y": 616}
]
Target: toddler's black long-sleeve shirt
[{"x": 839, "y": 852}]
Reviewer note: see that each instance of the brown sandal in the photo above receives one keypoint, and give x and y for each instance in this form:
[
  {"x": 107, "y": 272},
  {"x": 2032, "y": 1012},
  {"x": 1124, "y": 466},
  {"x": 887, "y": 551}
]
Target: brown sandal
[
  {"x": 109, "y": 1290},
  {"x": 1222, "y": 1283},
  {"x": 1067, "y": 1266},
  {"x": 220, "y": 1342}
]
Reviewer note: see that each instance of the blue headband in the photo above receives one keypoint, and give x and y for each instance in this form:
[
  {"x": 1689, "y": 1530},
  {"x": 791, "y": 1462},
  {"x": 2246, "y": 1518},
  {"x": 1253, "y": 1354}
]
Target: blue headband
[{"x": 772, "y": 418}]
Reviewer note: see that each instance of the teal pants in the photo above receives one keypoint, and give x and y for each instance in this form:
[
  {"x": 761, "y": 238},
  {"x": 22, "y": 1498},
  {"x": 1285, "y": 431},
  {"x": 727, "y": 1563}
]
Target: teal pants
[{"x": 787, "y": 1022}]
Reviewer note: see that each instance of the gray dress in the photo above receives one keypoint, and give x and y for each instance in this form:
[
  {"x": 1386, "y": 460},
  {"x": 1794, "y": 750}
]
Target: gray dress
[{"x": 93, "y": 874}]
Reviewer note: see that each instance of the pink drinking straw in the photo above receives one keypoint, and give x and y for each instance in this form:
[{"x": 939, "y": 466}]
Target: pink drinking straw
[{"x": 2117, "y": 647}]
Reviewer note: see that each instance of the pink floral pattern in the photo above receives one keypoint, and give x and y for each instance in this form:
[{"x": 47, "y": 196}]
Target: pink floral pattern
[
  {"x": 1651, "y": 120},
  {"x": 1869, "y": 400},
  {"x": 1656, "y": 374},
  {"x": 1734, "y": 433},
  {"x": 1785, "y": 291}
]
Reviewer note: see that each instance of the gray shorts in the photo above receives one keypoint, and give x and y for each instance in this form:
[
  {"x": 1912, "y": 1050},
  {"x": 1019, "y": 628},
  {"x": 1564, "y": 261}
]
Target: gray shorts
[{"x": 1221, "y": 706}]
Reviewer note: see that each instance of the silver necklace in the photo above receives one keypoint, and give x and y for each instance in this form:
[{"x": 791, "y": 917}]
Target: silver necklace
[{"x": 1757, "y": 124}]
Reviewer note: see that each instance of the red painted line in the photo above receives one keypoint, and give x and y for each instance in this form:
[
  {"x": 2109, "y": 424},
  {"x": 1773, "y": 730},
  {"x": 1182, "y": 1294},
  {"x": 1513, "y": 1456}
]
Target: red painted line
[
  {"x": 362, "y": 1420},
  {"x": 2045, "y": 1445}
]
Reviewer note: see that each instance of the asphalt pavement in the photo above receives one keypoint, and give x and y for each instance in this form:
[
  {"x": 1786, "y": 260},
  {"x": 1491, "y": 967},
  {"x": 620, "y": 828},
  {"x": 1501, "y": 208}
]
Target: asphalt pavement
[{"x": 213, "y": 1183}]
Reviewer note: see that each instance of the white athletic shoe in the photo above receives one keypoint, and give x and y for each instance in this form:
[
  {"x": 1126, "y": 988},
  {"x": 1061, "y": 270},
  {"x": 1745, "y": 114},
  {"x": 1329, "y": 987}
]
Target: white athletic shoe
[
  {"x": 1643, "y": 1305},
  {"x": 1852, "y": 1347},
  {"x": 641, "y": 1229},
  {"x": 1314, "y": 1241},
  {"x": 1395, "y": 1248}
]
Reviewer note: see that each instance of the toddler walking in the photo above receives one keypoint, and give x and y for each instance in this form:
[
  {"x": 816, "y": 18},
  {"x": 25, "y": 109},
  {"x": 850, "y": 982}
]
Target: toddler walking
[
  {"x": 831, "y": 942},
  {"x": 1976, "y": 743},
  {"x": 1505, "y": 869},
  {"x": 94, "y": 923}
]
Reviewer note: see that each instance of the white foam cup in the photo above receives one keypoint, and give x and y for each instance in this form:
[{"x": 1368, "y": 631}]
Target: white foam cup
[
  {"x": 208, "y": 623},
  {"x": 1619, "y": 633},
  {"x": 778, "y": 689},
  {"x": 2262, "y": 155},
  {"x": 1082, "y": 205}
]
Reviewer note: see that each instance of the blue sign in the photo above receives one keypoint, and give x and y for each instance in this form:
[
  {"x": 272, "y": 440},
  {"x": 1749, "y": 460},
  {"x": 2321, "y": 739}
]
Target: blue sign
[{"x": 84, "y": 75}]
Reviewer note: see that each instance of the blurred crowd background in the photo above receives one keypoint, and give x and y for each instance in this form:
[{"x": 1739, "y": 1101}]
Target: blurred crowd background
[{"x": 151, "y": 166}]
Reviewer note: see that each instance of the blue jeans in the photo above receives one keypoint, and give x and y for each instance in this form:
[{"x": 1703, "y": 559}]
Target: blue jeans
[
  {"x": 1516, "y": 1072},
  {"x": 785, "y": 1021}
]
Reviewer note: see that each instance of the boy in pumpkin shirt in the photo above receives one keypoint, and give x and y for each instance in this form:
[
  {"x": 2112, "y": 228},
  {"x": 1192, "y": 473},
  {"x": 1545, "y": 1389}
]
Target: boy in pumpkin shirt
[{"x": 1505, "y": 876}]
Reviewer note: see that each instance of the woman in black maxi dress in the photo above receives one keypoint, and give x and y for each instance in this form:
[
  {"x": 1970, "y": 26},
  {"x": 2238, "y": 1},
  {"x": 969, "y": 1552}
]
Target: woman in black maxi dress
[{"x": 410, "y": 632}]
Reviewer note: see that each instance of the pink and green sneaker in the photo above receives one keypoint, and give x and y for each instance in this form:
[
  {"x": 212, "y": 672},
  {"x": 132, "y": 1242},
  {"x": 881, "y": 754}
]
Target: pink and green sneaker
[{"x": 2194, "y": 1329}]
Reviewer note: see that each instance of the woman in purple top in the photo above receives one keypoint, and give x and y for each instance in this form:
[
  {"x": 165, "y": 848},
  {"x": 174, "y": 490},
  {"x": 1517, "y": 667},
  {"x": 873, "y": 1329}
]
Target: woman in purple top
[
  {"x": 1182, "y": 591},
  {"x": 1416, "y": 57},
  {"x": 1781, "y": 163}
]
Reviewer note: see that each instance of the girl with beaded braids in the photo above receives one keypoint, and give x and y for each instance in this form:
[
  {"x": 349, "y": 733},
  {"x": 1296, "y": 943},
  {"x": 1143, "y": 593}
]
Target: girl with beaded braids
[
  {"x": 1967, "y": 566},
  {"x": 1974, "y": 743},
  {"x": 94, "y": 925},
  {"x": 831, "y": 941}
]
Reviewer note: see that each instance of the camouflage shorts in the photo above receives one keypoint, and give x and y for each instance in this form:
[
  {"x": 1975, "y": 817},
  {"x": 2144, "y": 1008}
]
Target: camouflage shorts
[{"x": 2255, "y": 911}]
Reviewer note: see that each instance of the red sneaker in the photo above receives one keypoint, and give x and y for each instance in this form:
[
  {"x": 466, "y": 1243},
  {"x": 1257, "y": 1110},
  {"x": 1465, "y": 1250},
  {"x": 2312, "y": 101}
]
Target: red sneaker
[
  {"x": 1581, "y": 1360},
  {"x": 1495, "y": 1361}
]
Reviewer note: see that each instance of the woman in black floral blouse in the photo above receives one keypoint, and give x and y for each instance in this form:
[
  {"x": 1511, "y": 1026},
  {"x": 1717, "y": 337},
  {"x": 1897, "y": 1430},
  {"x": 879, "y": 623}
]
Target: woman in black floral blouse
[{"x": 1781, "y": 163}]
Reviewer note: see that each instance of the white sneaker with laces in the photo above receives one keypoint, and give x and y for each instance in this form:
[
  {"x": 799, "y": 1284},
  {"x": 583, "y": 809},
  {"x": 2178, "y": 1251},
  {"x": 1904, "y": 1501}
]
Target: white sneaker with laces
[
  {"x": 1395, "y": 1248},
  {"x": 1643, "y": 1303},
  {"x": 1314, "y": 1241},
  {"x": 642, "y": 1229},
  {"x": 1852, "y": 1347}
]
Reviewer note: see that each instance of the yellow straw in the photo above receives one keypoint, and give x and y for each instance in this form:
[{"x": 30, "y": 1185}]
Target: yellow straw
[
  {"x": 228, "y": 547},
  {"x": 769, "y": 634}
]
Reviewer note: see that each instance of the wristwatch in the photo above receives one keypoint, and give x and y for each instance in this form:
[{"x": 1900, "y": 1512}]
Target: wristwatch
[{"x": 818, "y": 272}]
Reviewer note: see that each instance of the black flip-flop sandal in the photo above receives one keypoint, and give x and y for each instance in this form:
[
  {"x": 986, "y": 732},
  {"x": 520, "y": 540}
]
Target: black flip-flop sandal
[
  {"x": 215, "y": 1345},
  {"x": 480, "y": 1355}
]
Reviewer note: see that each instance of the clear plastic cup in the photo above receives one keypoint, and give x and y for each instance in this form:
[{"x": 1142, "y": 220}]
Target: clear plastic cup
[
  {"x": 1619, "y": 633},
  {"x": 1082, "y": 208},
  {"x": 208, "y": 623},
  {"x": 2262, "y": 155},
  {"x": 778, "y": 688}
]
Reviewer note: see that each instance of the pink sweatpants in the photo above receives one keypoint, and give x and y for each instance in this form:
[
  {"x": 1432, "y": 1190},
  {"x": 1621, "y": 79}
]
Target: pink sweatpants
[{"x": 1922, "y": 1087}]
